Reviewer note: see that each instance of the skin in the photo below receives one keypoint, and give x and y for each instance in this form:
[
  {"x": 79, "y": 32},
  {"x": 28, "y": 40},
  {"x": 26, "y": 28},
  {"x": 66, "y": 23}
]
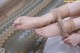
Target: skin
[
  {"x": 73, "y": 39},
  {"x": 25, "y": 22},
  {"x": 52, "y": 29},
  {"x": 67, "y": 10}
]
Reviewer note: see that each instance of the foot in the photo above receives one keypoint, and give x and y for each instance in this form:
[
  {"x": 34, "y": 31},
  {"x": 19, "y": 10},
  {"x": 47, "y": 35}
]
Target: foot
[
  {"x": 25, "y": 22},
  {"x": 48, "y": 31}
]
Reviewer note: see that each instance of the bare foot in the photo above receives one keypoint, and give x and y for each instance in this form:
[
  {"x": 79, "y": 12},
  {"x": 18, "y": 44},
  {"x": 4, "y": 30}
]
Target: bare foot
[
  {"x": 48, "y": 31},
  {"x": 26, "y": 22}
]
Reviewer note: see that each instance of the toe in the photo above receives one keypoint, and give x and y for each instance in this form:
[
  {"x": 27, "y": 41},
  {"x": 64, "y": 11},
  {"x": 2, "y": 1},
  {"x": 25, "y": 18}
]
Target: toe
[{"x": 39, "y": 31}]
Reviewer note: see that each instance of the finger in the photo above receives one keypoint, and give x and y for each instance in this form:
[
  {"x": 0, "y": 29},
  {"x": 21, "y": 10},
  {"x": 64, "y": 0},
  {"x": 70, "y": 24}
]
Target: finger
[
  {"x": 69, "y": 43},
  {"x": 66, "y": 40}
]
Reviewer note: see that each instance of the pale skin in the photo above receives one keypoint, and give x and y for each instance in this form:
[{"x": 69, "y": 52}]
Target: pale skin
[
  {"x": 73, "y": 39},
  {"x": 25, "y": 22}
]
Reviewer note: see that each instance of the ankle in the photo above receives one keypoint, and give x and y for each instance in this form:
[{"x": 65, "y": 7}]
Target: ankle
[{"x": 60, "y": 11}]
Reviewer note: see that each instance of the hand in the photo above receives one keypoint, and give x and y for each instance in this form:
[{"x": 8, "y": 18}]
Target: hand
[{"x": 73, "y": 40}]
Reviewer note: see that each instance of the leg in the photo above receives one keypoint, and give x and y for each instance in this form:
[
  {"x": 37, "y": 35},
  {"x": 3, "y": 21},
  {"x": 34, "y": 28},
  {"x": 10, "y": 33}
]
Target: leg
[{"x": 52, "y": 30}]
